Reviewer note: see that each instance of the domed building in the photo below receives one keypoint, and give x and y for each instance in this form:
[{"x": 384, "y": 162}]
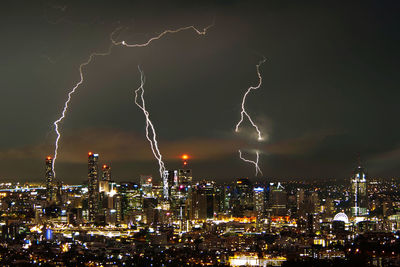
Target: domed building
[
  {"x": 341, "y": 217},
  {"x": 340, "y": 222}
]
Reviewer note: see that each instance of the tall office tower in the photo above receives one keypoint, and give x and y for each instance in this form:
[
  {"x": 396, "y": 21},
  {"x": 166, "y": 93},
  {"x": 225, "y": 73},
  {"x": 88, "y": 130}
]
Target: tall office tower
[
  {"x": 118, "y": 208},
  {"x": 110, "y": 203},
  {"x": 184, "y": 180},
  {"x": 146, "y": 184},
  {"x": 172, "y": 185},
  {"x": 113, "y": 212},
  {"x": 131, "y": 202},
  {"x": 278, "y": 199},
  {"x": 185, "y": 174},
  {"x": 132, "y": 198},
  {"x": 166, "y": 184},
  {"x": 242, "y": 200},
  {"x": 218, "y": 199},
  {"x": 226, "y": 199},
  {"x": 259, "y": 205},
  {"x": 93, "y": 185},
  {"x": 184, "y": 190},
  {"x": 49, "y": 179},
  {"x": 359, "y": 197},
  {"x": 244, "y": 191},
  {"x": 203, "y": 201},
  {"x": 259, "y": 201},
  {"x": 106, "y": 170},
  {"x": 104, "y": 191}
]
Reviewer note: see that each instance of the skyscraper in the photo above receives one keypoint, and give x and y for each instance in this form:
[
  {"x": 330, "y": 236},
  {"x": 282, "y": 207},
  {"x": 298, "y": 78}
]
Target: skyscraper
[
  {"x": 277, "y": 199},
  {"x": 168, "y": 183},
  {"x": 359, "y": 197},
  {"x": 242, "y": 197},
  {"x": 49, "y": 179},
  {"x": 146, "y": 184},
  {"x": 203, "y": 200},
  {"x": 181, "y": 195},
  {"x": 93, "y": 185},
  {"x": 106, "y": 170},
  {"x": 259, "y": 201}
]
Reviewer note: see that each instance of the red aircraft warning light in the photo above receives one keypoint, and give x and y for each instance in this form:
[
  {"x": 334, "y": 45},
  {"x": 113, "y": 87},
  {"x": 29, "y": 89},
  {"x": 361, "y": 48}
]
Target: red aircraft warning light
[
  {"x": 90, "y": 153},
  {"x": 48, "y": 157},
  {"x": 185, "y": 158}
]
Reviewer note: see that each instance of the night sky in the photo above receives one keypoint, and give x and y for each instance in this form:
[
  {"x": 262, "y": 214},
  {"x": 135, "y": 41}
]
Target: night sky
[{"x": 330, "y": 87}]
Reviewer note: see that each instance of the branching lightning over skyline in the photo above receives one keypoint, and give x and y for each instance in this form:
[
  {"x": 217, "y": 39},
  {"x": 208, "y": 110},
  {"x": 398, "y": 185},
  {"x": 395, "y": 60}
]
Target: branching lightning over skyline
[
  {"x": 258, "y": 170},
  {"x": 244, "y": 113},
  {"x": 151, "y": 137},
  {"x": 108, "y": 52}
]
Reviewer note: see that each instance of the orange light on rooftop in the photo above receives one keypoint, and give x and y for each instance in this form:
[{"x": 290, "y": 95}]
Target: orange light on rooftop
[
  {"x": 104, "y": 166},
  {"x": 48, "y": 158},
  {"x": 90, "y": 153},
  {"x": 185, "y": 157}
]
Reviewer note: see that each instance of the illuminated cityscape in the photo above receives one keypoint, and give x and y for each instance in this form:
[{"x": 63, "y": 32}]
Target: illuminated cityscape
[
  {"x": 241, "y": 223},
  {"x": 200, "y": 133}
]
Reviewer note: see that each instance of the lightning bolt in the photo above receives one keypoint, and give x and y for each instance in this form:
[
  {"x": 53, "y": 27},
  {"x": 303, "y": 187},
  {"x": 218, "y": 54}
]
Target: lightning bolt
[
  {"x": 108, "y": 52},
  {"x": 150, "y": 130},
  {"x": 65, "y": 109},
  {"x": 258, "y": 170},
  {"x": 124, "y": 43},
  {"x": 244, "y": 114}
]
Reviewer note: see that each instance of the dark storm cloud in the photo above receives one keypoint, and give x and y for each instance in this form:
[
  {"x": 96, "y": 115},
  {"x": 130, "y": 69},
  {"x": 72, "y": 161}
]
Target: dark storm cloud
[
  {"x": 115, "y": 145},
  {"x": 120, "y": 147},
  {"x": 330, "y": 65},
  {"x": 385, "y": 163},
  {"x": 300, "y": 146}
]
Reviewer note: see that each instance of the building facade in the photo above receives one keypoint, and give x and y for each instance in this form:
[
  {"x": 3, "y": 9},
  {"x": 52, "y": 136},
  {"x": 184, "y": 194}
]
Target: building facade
[
  {"x": 359, "y": 197},
  {"x": 93, "y": 186}
]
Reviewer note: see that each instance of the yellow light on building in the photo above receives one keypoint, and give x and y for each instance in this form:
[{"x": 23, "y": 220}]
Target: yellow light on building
[{"x": 320, "y": 241}]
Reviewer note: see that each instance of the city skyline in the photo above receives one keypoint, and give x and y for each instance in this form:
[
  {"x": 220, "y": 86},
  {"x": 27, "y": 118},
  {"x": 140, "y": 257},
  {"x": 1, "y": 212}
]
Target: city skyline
[
  {"x": 328, "y": 93},
  {"x": 204, "y": 223}
]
